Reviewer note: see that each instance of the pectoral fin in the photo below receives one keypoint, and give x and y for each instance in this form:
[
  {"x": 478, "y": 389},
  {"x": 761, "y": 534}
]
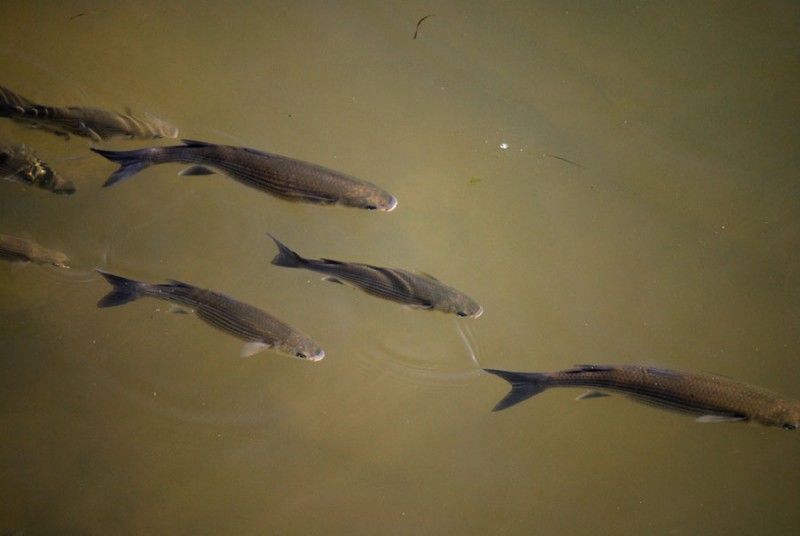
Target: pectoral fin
[
  {"x": 333, "y": 280},
  {"x": 178, "y": 310},
  {"x": 592, "y": 394},
  {"x": 196, "y": 170},
  {"x": 720, "y": 418},
  {"x": 426, "y": 306},
  {"x": 252, "y": 348},
  {"x": 89, "y": 133}
]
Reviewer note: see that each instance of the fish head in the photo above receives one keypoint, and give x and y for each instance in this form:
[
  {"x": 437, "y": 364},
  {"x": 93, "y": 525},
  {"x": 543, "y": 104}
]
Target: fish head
[
  {"x": 786, "y": 414},
  {"x": 370, "y": 197},
  {"x": 791, "y": 418},
  {"x": 301, "y": 347},
  {"x": 58, "y": 259},
  {"x": 55, "y": 183},
  {"x": 32, "y": 171},
  {"x": 461, "y": 305},
  {"x": 161, "y": 128}
]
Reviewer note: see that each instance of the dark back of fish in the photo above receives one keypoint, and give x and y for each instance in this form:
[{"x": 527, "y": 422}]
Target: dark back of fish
[
  {"x": 281, "y": 176},
  {"x": 235, "y": 317},
  {"x": 92, "y": 123},
  {"x": 17, "y": 249},
  {"x": 415, "y": 290},
  {"x": 12, "y": 104},
  {"x": 711, "y": 397},
  {"x": 689, "y": 392},
  {"x": 232, "y": 316}
]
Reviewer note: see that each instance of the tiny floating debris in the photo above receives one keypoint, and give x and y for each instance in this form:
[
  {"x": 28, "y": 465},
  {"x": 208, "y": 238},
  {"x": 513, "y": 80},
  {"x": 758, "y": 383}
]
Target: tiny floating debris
[
  {"x": 563, "y": 159},
  {"x": 416, "y": 30}
]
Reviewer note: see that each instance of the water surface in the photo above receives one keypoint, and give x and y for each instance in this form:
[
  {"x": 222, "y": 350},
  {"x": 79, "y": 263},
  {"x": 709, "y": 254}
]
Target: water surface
[{"x": 612, "y": 183}]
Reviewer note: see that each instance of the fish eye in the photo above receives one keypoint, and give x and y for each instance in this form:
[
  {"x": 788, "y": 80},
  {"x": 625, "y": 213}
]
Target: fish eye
[
  {"x": 789, "y": 426},
  {"x": 461, "y": 313},
  {"x": 301, "y": 355},
  {"x": 371, "y": 207}
]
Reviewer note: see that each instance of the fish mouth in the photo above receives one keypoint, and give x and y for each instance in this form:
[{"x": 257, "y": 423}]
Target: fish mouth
[
  {"x": 316, "y": 357},
  {"x": 391, "y": 205},
  {"x": 476, "y": 314}
]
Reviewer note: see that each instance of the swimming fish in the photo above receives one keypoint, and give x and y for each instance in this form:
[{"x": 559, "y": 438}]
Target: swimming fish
[
  {"x": 92, "y": 123},
  {"x": 709, "y": 397},
  {"x": 19, "y": 163},
  {"x": 16, "y": 249},
  {"x": 261, "y": 330},
  {"x": 281, "y": 176},
  {"x": 419, "y": 291}
]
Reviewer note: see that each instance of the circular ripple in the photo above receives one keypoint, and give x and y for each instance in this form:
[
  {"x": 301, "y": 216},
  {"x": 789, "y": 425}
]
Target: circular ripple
[{"x": 424, "y": 357}]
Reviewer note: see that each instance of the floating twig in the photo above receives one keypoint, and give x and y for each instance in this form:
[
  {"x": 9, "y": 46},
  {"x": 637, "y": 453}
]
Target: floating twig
[
  {"x": 563, "y": 159},
  {"x": 416, "y": 30},
  {"x": 96, "y": 12}
]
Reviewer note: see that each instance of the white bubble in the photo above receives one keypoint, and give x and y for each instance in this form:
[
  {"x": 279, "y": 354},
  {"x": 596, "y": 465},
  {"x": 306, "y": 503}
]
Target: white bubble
[{"x": 504, "y": 146}]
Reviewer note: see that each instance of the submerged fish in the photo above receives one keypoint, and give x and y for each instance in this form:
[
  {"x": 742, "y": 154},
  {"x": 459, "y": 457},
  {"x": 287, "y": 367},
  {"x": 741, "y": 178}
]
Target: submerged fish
[
  {"x": 283, "y": 177},
  {"x": 420, "y": 291},
  {"x": 16, "y": 249},
  {"x": 710, "y": 397},
  {"x": 261, "y": 330},
  {"x": 91, "y": 123},
  {"x": 18, "y": 163}
]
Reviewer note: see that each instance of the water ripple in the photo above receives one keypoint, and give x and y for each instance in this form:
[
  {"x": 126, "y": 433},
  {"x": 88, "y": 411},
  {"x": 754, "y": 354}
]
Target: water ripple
[{"x": 444, "y": 358}]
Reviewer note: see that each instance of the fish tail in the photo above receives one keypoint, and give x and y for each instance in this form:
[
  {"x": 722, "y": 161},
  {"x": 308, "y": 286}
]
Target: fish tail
[
  {"x": 285, "y": 256},
  {"x": 523, "y": 386},
  {"x": 131, "y": 162},
  {"x": 125, "y": 290},
  {"x": 12, "y": 104}
]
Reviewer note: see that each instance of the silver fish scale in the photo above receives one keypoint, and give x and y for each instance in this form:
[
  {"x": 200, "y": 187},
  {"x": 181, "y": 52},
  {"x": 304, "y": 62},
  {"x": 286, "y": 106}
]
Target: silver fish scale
[{"x": 234, "y": 317}]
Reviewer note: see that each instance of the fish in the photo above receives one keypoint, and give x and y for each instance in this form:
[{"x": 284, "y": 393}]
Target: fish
[
  {"x": 281, "y": 176},
  {"x": 708, "y": 397},
  {"x": 19, "y": 163},
  {"x": 260, "y": 330},
  {"x": 415, "y": 290},
  {"x": 17, "y": 249},
  {"x": 93, "y": 123}
]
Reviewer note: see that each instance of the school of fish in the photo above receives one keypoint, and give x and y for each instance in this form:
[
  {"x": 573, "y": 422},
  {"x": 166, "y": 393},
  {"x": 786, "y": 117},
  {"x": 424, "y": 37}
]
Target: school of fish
[{"x": 707, "y": 397}]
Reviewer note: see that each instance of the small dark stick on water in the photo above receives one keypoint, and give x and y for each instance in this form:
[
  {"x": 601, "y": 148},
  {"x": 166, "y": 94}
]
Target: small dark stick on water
[
  {"x": 83, "y": 14},
  {"x": 563, "y": 159},
  {"x": 416, "y": 30}
]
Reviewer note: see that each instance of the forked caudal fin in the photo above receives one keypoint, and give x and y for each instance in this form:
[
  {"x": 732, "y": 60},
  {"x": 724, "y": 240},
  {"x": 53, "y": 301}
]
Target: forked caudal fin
[
  {"x": 285, "y": 256},
  {"x": 131, "y": 162},
  {"x": 125, "y": 290},
  {"x": 523, "y": 386}
]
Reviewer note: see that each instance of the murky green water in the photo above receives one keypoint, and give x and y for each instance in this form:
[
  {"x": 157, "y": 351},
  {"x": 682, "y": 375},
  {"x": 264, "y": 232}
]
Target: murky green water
[{"x": 673, "y": 241}]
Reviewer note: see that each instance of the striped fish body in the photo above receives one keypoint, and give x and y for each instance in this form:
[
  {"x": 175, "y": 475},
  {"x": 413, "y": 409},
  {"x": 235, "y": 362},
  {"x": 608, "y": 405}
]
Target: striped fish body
[
  {"x": 281, "y": 176},
  {"x": 19, "y": 163},
  {"x": 92, "y": 123},
  {"x": 17, "y": 249},
  {"x": 414, "y": 290},
  {"x": 709, "y": 397},
  {"x": 259, "y": 329}
]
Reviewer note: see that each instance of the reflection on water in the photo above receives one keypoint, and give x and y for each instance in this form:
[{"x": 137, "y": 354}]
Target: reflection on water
[{"x": 672, "y": 242}]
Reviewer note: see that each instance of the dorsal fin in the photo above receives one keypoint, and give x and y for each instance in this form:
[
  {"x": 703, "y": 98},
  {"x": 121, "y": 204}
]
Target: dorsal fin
[{"x": 195, "y": 143}]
